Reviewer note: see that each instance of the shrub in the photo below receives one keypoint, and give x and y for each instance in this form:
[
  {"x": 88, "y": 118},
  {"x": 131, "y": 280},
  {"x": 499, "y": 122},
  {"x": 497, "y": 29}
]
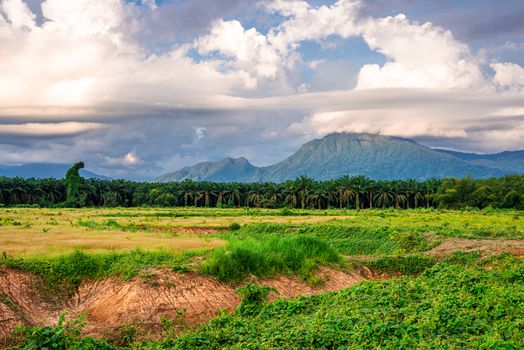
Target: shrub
[
  {"x": 253, "y": 296},
  {"x": 234, "y": 226},
  {"x": 411, "y": 242}
]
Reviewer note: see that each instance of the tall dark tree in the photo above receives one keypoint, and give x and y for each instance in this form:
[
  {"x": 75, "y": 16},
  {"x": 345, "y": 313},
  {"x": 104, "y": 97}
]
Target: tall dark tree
[{"x": 73, "y": 180}]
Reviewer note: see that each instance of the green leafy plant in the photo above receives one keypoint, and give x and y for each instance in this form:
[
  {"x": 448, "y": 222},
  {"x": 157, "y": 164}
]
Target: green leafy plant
[
  {"x": 234, "y": 226},
  {"x": 64, "y": 336},
  {"x": 253, "y": 297},
  {"x": 449, "y": 306}
]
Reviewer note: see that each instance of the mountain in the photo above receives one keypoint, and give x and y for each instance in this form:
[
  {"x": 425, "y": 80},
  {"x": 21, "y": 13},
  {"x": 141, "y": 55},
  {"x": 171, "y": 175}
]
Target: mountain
[
  {"x": 225, "y": 170},
  {"x": 43, "y": 171},
  {"x": 511, "y": 162},
  {"x": 339, "y": 154}
]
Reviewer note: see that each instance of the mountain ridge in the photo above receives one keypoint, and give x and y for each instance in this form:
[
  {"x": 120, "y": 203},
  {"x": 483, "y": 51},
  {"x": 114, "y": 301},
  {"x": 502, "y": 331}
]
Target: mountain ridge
[
  {"x": 44, "y": 170},
  {"x": 374, "y": 156},
  {"x": 509, "y": 161}
]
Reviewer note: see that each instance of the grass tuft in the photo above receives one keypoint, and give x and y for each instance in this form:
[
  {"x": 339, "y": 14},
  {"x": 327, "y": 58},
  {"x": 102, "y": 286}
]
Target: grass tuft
[{"x": 269, "y": 256}]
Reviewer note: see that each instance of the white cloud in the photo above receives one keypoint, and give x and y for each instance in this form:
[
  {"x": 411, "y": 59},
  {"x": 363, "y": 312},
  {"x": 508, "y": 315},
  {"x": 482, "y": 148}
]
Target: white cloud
[
  {"x": 17, "y": 13},
  {"x": 200, "y": 133},
  {"x": 477, "y": 121},
  {"x": 421, "y": 55},
  {"x": 396, "y": 124},
  {"x": 508, "y": 74},
  {"x": 85, "y": 56},
  {"x": 129, "y": 159},
  {"x": 48, "y": 129},
  {"x": 80, "y": 19},
  {"x": 288, "y": 7},
  {"x": 248, "y": 48},
  {"x": 308, "y": 23}
]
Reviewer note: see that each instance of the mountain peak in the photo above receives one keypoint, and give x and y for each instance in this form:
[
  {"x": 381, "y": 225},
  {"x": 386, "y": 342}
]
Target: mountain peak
[{"x": 344, "y": 153}]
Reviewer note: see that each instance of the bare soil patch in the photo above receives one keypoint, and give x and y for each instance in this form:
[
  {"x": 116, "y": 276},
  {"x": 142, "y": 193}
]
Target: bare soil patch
[
  {"x": 484, "y": 246},
  {"x": 189, "y": 230},
  {"x": 111, "y": 303}
]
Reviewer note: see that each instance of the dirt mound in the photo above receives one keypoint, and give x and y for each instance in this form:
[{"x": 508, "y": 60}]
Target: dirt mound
[
  {"x": 110, "y": 303},
  {"x": 484, "y": 246},
  {"x": 22, "y": 303}
]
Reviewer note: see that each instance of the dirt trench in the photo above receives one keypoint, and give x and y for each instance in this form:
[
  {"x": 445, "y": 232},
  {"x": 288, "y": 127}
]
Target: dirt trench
[{"x": 111, "y": 303}]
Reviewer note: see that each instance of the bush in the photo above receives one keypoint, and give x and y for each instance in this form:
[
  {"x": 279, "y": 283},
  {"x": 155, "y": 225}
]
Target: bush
[
  {"x": 234, "y": 226},
  {"x": 411, "y": 242},
  {"x": 253, "y": 296}
]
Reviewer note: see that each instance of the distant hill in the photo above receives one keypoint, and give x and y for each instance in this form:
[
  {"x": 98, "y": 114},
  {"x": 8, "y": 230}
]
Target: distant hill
[
  {"x": 339, "y": 154},
  {"x": 510, "y": 161},
  {"x": 225, "y": 170},
  {"x": 43, "y": 171}
]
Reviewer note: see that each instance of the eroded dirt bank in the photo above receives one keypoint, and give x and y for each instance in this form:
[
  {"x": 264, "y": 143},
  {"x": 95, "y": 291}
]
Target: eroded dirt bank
[{"x": 111, "y": 303}]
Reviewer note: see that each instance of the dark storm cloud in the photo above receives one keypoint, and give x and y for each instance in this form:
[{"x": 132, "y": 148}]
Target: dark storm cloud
[
  {"x": 490, "y": 20},
  {"x": 184, "y": 20},
  {"x": 468, "y": 20},
  {"x": 164, "y": 143}
]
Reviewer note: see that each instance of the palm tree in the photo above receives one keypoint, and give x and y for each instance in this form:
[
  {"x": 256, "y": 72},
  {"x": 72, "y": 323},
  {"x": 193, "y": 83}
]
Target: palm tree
[
  {"x": 345, "y": 191},
  {"x": 304, "y": 185},
  {"x": 431, "y": 186},
  {"x": 256, "y": 195},
  {"x": 359, "y": 184},
  {"x": 17, "y": 191},
  {"x": 290, "y": 193},
  {"x": 272, "y": 195},
  {"x": 316, "y": 198},
  {"x": 384, "y": 196}
]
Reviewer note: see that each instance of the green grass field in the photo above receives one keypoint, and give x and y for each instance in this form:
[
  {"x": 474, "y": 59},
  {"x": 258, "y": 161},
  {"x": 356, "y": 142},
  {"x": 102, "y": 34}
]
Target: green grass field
[{"x": 434, "y": 297}]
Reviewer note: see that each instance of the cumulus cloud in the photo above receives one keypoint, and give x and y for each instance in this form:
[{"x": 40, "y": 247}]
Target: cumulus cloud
[
  {"x": 17, "y": 13},
  {"x": 422, "y": 55},
  {"x": 85, "y": 55},
  {"x": 439, "y": 60},
  {"x": 508, "y": 75},
  {"x": 306, "y": 23},
  {"x": 128, "y": 160},
  {"x": 248, "y": 49}
]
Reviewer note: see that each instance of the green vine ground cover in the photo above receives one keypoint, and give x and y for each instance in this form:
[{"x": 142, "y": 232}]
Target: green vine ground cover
[{"x": 478, "y": 306}]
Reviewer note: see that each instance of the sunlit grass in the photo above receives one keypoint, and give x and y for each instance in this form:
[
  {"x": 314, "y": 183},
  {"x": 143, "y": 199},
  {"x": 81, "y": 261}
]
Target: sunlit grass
[
  {"x": 60, "y": 239},
  {"x": 53, "y": 232}
]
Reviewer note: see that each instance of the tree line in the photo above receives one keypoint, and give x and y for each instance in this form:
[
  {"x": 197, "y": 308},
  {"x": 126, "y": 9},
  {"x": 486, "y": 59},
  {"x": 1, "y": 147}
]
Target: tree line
[{"x": 303, "y": 192}]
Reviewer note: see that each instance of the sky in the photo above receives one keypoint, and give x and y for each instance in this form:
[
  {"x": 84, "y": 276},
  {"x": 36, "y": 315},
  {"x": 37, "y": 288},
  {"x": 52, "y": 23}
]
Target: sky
[{"x": 136, "y": 89}]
